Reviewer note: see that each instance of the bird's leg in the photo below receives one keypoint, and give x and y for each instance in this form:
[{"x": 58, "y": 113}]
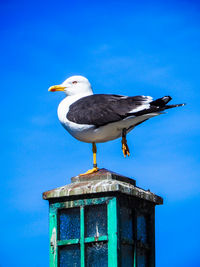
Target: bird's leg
[
  {"x": 95, "y": 169},
  {"x": 94, "y": 150},
  {"x": 125, "y": 148}
]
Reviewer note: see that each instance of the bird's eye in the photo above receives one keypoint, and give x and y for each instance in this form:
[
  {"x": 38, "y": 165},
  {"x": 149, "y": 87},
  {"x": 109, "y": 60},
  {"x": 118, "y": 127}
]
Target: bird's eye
[{"x": 74, "y": 82}]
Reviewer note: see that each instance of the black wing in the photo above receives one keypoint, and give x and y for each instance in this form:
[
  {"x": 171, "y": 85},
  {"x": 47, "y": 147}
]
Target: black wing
[{"x": 101, "y": 109}]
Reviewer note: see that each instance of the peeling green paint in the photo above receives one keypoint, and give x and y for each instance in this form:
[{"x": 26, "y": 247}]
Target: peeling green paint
[{"x": 53, "y": 238}]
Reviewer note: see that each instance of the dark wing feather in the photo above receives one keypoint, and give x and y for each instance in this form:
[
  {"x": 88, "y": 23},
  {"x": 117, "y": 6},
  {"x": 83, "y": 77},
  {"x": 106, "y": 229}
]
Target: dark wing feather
[
  {"x": 158, "y": 105},
  {"x": 101, "y": 109}
]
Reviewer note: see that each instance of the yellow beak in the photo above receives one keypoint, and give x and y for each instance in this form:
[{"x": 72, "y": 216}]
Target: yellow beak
[{"x": 56, "y": 88}]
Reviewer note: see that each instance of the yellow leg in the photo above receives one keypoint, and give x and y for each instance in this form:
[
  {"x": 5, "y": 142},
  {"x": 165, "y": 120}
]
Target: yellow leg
[
  {"x": 94, "y": 150},
  {"x": 125, "y": 148},
  {"x": 95, "y": 169}
]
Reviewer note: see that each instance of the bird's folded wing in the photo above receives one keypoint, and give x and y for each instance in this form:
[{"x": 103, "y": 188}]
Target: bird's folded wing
[{"x": 101, "y": 109}]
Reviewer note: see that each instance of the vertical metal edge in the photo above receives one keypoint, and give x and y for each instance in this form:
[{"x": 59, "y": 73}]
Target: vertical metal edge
[
  {"x": 53, "y": 229},
  {"x": 112, "y": 233},
  {"x": 152, "y": 232},
  {"x": 82, "y": 237},
  {"x": 135, "y": 236},
  {"x": 119, "y": 254}
]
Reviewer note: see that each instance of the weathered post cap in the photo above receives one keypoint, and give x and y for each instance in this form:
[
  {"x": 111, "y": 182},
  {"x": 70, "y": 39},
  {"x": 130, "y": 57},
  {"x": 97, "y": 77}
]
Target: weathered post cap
[{"x": 101, "y": 182}]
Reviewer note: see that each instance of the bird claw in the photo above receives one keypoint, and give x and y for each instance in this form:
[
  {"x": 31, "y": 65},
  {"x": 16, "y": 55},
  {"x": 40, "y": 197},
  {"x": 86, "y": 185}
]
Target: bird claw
[
  {"x": 125, "y": 148},
  {"x": 95, "y": 169}
]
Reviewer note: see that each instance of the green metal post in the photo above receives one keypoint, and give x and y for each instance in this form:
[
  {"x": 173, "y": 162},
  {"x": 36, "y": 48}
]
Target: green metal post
[
  {"x": 112, "y": 233},
  {"x": 82, "y": 244},
  {"x": 53, "y": 236},
  {"x": 109, "y": 189}
]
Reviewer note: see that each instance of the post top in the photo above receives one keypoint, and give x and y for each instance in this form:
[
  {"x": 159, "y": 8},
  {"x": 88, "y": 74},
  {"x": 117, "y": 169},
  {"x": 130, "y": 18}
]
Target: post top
[
  {"x": 101, "y": 182},
  {"x": 103, "y": 174}
]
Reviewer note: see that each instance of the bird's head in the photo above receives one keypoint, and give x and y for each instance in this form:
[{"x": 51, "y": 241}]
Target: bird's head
[{"x": 73, "y": 86}]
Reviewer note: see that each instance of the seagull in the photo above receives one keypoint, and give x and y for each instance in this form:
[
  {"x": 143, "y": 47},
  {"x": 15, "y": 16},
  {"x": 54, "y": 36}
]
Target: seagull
[{"x": 98, "y": 118}]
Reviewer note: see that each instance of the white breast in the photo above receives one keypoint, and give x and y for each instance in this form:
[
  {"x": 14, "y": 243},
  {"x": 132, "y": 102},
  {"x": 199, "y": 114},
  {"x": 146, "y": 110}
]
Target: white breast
[{"x": 79, "y": 131}]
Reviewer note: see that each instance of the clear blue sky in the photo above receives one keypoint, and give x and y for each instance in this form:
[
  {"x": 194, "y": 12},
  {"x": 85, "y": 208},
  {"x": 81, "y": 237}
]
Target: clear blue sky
[{"x": 122, "y": 47}]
